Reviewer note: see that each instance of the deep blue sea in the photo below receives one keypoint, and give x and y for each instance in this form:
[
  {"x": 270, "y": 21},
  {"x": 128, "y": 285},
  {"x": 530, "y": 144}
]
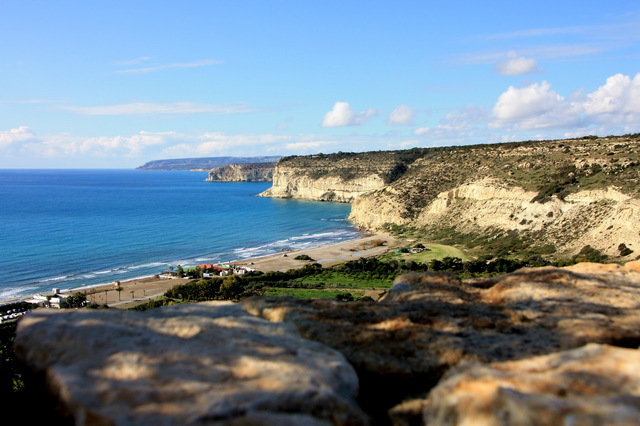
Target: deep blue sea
[{"x": 73, "y": 228}]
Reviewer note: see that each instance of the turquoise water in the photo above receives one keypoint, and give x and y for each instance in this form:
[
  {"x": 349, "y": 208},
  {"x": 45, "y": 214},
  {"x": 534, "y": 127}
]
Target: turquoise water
[{"x": 72, "y": 228}]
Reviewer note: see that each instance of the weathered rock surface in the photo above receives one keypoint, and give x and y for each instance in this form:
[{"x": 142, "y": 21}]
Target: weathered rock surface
[
  {"x": 600, "y": 218},
  {"x": 327, "y": 188},
  {"x": 341, "y": 177},
  {"x": 435, "y": 349},
  {"x": 249, "y": 172},
  {"x": 208, "y": 363},
  {"x": 429, "y": 323},
  {"x": 569, "y": 193},
  {"x": 591, "y": 385}
]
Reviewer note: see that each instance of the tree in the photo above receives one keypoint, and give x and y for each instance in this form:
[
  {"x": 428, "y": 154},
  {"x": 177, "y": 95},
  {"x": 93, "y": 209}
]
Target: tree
[
  {"x": 344, "y": 297},
  {"x": 119, "y": 290},
  {"x": 76, "y": 300},
  {"x": 231, "y": 287}
]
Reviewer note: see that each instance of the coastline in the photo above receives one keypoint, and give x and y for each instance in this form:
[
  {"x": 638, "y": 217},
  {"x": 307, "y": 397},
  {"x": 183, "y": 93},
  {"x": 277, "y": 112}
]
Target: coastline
[{"x": 141, "y": 290}]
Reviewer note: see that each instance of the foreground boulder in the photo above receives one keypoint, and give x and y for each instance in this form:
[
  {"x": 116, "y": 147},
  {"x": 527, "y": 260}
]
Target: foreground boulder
[
  {"x": 207, "y": 363},
  {"x": 435, "y": 349},
  {"x": 429, "y": 323},
  {"x": 591, "y": 385}
]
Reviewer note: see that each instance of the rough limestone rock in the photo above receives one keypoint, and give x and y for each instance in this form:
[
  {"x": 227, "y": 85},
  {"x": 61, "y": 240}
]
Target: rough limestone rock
[
  {"x": 288, "y": 184},
  {"x": 435, "y": 350},
  {"x": 340, "y": 177},
  {"x": 207, "y": 363},
  {"x": 591, "y": 385},
  {"x": 249, "y": 172},
  {"x": 431, "y": 322},
  {"x": 600, "y": 218}
]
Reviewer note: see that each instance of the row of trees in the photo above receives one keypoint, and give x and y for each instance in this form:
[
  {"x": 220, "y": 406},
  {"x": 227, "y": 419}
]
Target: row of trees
[{"x": 237, "y": 287}]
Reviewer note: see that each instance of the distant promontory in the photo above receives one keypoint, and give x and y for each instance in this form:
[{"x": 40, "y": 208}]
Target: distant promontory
[
  {"x": 247, "y": 172},
  {"x": 203, "y": 164}
]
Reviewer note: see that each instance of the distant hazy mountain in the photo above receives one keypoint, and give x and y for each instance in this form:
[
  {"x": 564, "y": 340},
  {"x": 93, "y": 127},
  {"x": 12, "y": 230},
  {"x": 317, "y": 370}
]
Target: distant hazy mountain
[{"x": 206, "y": 163}]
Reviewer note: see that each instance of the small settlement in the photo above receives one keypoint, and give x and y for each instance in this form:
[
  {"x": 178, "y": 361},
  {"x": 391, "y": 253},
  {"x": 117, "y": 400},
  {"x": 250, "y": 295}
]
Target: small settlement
[
  {"x": 206, "y": 270},
  {"x": 66, "y": 299}
]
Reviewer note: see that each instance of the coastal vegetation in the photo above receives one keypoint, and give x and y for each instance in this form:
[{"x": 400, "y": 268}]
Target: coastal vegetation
[
  {"x": 362, "y": 279},
  {"x": 546, "y": 198}
]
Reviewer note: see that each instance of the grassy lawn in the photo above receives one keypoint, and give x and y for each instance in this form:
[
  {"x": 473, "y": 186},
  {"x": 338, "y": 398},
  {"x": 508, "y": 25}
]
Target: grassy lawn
[
  {"x": 304, "y": 293},
  {"x": 333, "y": 279},
  {"x": 436, "y": 251}
]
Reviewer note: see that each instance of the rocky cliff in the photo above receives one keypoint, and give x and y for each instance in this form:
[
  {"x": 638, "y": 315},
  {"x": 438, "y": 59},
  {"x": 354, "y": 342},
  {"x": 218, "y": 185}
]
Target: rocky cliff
[
  {"x": 539, "y": 346},
  {"x": 341, "y": 177},
  {"x": 249, "y": 172},
  {"x": 567, "y": 194}
]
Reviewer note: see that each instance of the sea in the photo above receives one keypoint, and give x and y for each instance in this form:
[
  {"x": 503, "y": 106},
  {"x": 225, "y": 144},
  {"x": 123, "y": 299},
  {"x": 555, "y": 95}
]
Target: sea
[{"x": 69, "y": 229}]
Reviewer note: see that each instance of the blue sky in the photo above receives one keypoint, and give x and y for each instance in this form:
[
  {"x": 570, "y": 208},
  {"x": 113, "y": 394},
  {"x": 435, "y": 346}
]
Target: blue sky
[{"x": 114, "y": 84}]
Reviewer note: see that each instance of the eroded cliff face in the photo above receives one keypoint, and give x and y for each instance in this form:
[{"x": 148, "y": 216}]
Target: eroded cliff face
[
  {"x": 336, "y": 177},
  {"x": 603, "y": 219},
  {"x": 287, "y": 183},
  {"x": 569, "y": 193},
  {"x": 250, "y": 172}
]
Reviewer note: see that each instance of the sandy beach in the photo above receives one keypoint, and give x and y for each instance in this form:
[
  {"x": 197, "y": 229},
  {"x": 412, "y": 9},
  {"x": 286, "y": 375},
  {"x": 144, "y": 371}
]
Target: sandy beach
[{"x": 142, "y": 290}]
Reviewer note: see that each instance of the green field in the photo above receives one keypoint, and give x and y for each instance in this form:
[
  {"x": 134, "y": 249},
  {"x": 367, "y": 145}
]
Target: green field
[
  {"x": 334, "y": 279},
  {"x": 304, "y": 293},
  {"x": 436, "y": 251}
]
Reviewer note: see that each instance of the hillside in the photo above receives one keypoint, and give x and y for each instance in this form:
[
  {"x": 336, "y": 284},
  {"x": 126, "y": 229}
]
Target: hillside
[
  {"x": 338, "y": 177},
  {"x": 552, "y": 196},
  {"x": 248, "y": 172},
  {"x": 205, "y": 163}
]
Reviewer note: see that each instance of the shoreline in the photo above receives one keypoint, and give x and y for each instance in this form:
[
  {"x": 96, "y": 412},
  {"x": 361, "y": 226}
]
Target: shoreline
[{"x": 136, "y": 291}]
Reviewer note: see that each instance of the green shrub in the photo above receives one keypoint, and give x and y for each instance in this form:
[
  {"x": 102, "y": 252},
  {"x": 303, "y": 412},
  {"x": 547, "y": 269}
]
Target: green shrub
[
  {"x": 624, "y": 250},
  {"x": 303, "y": 257}
]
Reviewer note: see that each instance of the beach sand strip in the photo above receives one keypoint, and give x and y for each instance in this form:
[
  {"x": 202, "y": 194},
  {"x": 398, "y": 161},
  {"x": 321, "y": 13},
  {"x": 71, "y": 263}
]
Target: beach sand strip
[{"x": 137, "y": 291}]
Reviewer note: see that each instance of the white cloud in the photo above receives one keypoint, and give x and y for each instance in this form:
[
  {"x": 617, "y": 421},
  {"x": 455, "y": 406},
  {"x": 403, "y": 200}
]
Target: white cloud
[
  {"x": 14, "y": 136},
  {"x": 549, "y": 52},
  {"x": 614, "y": 107},
  {"x": 22, "y": 142},
  {"x": 309, "y": 147},
  {"x": 201, "y": 63},
  {"x": 148, "y": 108},
  {"x": 533, "y": 107},
  {"x": 217, "y": 143},
  {"x": 619, "y": 95},
  {"x": 342, "y": 115},
  {"x": 516, "y": 65},
  {"x": 622, "y": 30},
  {"x": 402, "y": 115},
  {"x": 457, "y": 127}
]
